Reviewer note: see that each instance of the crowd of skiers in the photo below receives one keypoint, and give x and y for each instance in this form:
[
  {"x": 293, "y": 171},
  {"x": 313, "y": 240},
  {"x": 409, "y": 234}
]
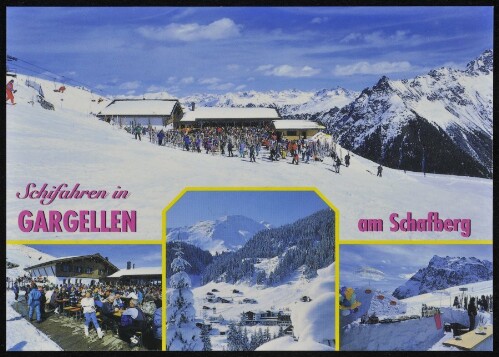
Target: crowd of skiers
[
  {"x": 475, "y": 304},
  {"x": 140, "y": 307},
  {"x": 243, "y": 142}
]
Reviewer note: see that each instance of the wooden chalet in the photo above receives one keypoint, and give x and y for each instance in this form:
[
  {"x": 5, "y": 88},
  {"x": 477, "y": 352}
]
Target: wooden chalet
[
  {"x": 85, "y": 269},
  {"x": 297, "y": 129}
]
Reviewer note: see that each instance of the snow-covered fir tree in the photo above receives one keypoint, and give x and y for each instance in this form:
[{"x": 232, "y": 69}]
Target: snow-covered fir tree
[
  {"x": 181, "y": 331},
  {"x": 205, "y": 338}
]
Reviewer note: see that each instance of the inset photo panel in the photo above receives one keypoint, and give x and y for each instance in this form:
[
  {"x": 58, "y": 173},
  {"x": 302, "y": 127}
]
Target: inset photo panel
[
  {"x": 250, "y": 269},
  {"x": 94, "y": 297},
  {"x": 419, "y": 297}
]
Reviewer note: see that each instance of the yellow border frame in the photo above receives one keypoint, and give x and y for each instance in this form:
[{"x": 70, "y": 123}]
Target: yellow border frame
[{"x": 282, "y": 189}]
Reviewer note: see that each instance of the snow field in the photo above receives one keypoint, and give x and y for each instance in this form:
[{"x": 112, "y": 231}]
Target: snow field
[{"x": 69, "y": 146}]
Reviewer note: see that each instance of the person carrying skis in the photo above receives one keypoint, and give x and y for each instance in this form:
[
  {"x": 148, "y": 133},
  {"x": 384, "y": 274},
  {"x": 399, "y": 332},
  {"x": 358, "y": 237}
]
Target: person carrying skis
[
  {"x": 88, "y": 306},
  {"x": 34, "y": 297},
  {"x": 380, "y": 170},
  {"x": 347, "y": 160}
]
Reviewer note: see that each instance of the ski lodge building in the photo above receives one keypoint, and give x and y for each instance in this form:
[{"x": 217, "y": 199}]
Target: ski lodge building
[
  {"x": 136, "y": 276},
  {"x": 85, "y": 269},
  {"x": 222, "y": 117},
  {"x": 157, "y": 112},
  {"x": 297, "y": 129},
  {"x": 268, "y": 317}
]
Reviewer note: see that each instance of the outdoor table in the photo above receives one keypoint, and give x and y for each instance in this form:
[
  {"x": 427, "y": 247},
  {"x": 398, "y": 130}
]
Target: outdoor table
[{"x": 471, "y": 339}]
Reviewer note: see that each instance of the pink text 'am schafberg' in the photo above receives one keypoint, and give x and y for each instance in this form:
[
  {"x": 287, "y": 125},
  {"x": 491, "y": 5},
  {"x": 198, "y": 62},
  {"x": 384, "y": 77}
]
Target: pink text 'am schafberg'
[
  {"x": 114, "y": 221},
  {"x": 432, "y": 223}
]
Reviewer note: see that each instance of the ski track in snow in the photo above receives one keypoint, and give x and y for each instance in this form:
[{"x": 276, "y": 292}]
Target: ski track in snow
[{"x": 71, "y": 146}]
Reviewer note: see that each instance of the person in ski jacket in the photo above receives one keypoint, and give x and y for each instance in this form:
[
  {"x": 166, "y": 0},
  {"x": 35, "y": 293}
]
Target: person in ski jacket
[
  {"x": 380, "y": 171},
  {"x": 242, "y": 148},
  {"x": 161, "y": 136},
  {"x": 132, "y": 320},
  {"x": 137, "y": 131},
  {"x": 472, "y": 313},
  {"x": 252, "y": 153},
  {"x": 89, "y": 311},
  {"x": 34, "y": 298},
  {"x": 338, "y": 164},
  {"x": 156, "y": 322},
  {"x": 347, "y": 160},
  {"x": 456, "y": 303},
  {"x": 9, "y": 91},
  {"x": 15, "y": 289},
  {"x": 230, "y": 146}
]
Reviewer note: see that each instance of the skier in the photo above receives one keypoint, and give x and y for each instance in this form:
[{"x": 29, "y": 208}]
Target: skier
[
  {"x": 88, "y": 305},
  {"x": 252, "y": 153},
  {"x": 9, "y": 92},
  {"x": 43, "y": 301},
  {"x": 242, "y": 148},
  {"x": 34, "y": 297},
  {"x": 380, "y": 170},
  {"x": 472, "y": 313},
  {"x": 347, "y": 160},
  {"x": 456, "y": 303},
  {"x": 338, "y": 164},
  {"x": 187, "y": 142},
  {"x": 229, "y": 148},
  {"x": 296, "y": 158},
  {"x": 308, "y": 153},
  {"x": 132, "y": 320}
]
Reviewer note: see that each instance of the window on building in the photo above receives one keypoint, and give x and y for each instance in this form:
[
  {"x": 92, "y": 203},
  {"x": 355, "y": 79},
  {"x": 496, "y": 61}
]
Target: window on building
[
  {"x": 79, "y": 269},
  {"x": 88, "y": 270},
  {"x": 291, "y": 133},
  {"x": 65, "y": 268}
]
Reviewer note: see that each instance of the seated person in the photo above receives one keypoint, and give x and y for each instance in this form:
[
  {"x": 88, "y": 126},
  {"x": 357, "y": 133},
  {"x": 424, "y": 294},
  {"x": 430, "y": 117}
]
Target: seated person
[
  {"x": 118, "y": 302},
  {"x": 132, "y": 320},
  {"x": 107, "y": 310}
]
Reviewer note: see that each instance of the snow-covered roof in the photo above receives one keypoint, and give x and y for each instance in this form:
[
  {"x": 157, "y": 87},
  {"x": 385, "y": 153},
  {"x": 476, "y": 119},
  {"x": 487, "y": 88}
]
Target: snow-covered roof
[
  {"x": 296, "y": 124},
  {"x": 74, "y": 257},
  {"x": 214, "y": 113},
  {"x": 137, "y": 271},
  {"x": 140, "y": 107}
]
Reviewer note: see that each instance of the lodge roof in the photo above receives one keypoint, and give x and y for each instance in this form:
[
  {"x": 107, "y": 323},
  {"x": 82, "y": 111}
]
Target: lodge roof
[
  {"x": 215, "y": 113},
  {"x": 296, "y": 125},
  {"x": 145, "y": 107},
  {"x": 137, "y": 272},
  {"x": 96, "y": 256}
]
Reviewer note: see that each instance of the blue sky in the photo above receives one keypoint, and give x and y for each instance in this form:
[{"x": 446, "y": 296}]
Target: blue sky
[
  {"x": 140, "y": 255},
  {"x": 399, "y": 262},
  {"x": 274, "y": 207},
  {"x": 187, "y": 50}
]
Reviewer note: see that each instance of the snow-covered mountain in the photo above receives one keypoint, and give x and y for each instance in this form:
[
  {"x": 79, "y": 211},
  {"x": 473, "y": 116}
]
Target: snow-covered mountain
[
  {"x": 289, "y": 102},
  {"x": 226, "y": 233},
  {"x": 445, "y": 272},
  {"x": 443, "y": 118},
  {"x": 24, "y": 256}
]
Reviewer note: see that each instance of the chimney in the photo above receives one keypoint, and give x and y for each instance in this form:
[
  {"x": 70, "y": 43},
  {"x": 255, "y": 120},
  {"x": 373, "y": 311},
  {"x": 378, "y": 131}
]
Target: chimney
[
  {"x": 107, "y": 258},
  {"x": 128, "y": 265},
  {"x": 133, "y": 266},
  {"x": 193, "y": 106}
]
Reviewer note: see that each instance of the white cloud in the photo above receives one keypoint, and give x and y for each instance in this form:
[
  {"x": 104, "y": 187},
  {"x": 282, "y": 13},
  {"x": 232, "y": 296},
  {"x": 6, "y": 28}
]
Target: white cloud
[
  {"x": 240, "y": 87},
  {"x": 172, "y": 79},
  {"x": 233, "y": 67},
  {"x": 319, "y": 20},
  {"x": 217, "y": 30},
  {"x": 380, "y": 38},
  {"x": 250, "y": 79},
  {"x": 212, "y": 80},
  {"x": 130, "y": 85},
  {"x": 363, "y": 67},
  {"x": 130, "y": 92},
  {"x": 187, "y": 80},
  {"x": 154, "y": 88},
  {"x": 286, "y": 70},
  {"x": 222, "y": 86},
  {"x": 406, "y": 276}
]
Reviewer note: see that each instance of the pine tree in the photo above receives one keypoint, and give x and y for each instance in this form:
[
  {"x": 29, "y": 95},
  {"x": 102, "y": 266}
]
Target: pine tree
[
  {"x": 205, "y": 338},
  {"x": 181, "y": 331}
]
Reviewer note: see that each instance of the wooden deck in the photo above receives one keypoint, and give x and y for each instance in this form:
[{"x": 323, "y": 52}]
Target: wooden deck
[
  {"x": 68, "y": 333},
  {"x": 470, "y": 340}
]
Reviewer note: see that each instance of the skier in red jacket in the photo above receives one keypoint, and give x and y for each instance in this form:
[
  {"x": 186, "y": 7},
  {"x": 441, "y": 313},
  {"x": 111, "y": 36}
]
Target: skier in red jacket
[{"x": 9, "y": 91}]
